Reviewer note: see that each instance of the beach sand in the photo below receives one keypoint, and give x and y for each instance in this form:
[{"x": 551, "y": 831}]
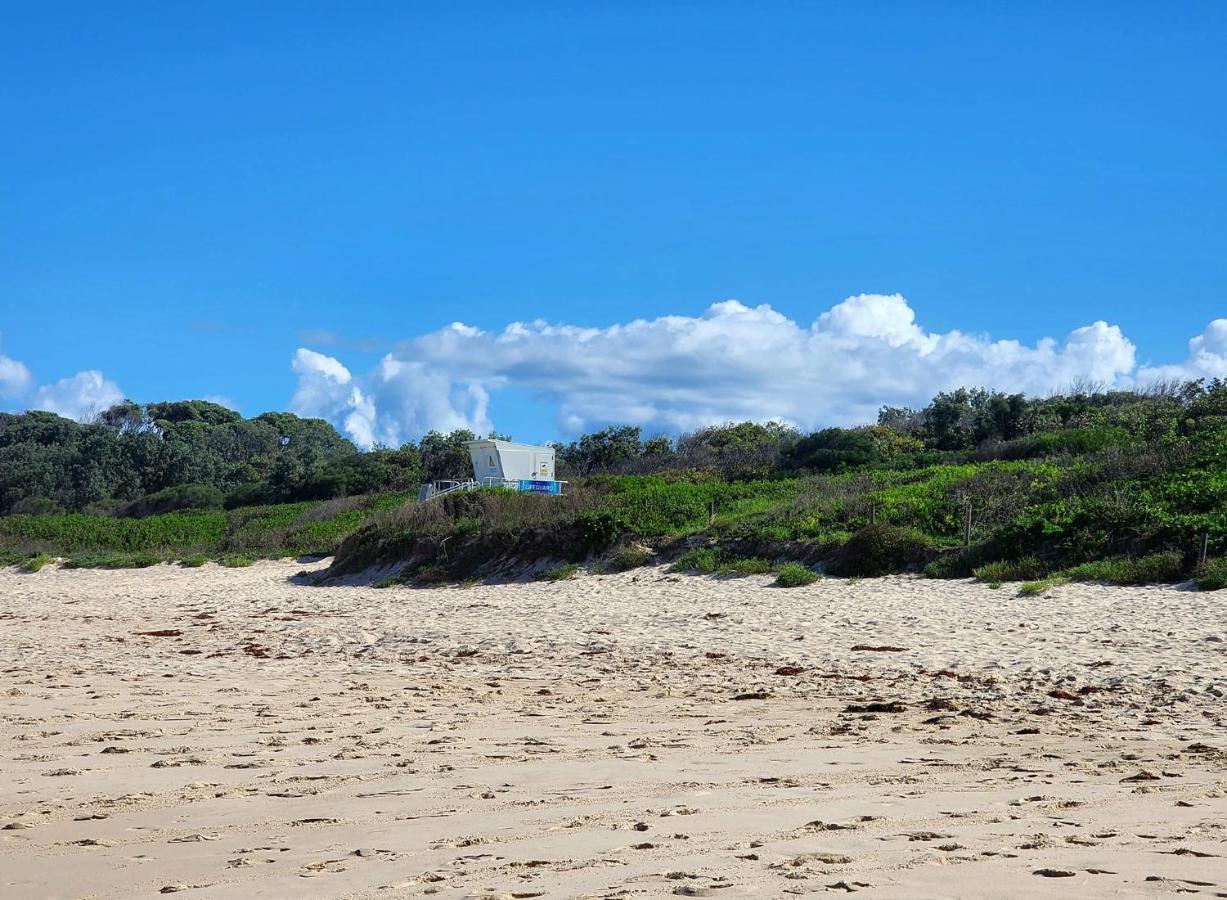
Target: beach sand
[{"x": 231, "y": 733}]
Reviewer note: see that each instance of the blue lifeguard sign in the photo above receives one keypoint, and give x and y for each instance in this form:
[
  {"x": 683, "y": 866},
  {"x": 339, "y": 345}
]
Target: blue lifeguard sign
[{"x": 540, "y": 487}]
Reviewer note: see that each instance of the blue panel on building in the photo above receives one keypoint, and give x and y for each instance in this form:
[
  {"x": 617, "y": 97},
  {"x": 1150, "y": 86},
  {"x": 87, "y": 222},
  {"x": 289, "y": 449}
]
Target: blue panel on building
[{"x": 541, "y": 487}]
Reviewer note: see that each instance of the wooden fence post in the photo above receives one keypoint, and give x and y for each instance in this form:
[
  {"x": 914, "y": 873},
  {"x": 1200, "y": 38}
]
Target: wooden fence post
[
  {"x": 967, "y": 524},
  {"x": 1204, "y": 551}
]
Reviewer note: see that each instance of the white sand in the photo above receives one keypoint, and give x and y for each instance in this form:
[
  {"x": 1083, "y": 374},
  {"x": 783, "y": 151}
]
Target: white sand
[{"x": 584, "y": 738}]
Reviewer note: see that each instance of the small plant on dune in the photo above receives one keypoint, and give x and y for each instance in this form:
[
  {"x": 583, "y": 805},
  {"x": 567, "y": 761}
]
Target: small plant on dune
[
  {"x": 194, "y": 562},
  {"x": 795, "y": 575},
  {"x": 561, "y": 573},
  {"x": 1026, "y": 569},
  {"x": 628, "y": 557},
  {"x": 1167, "y": 566},
  {"x": 236, "y": 561},
  {"x": 704, "y": 560},
  {"x": 112, "y": 561},
  {"x": 715, "y": 561},
  {"x": 747, "y": 565},
  {"x": 1213, "y": 575},
  {"x": 35, "y": 563},
  {"x": 1043, "y": 586}
]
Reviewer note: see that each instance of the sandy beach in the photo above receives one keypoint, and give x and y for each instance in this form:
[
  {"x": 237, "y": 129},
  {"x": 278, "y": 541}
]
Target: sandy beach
[{"x": 233, "y": 733}]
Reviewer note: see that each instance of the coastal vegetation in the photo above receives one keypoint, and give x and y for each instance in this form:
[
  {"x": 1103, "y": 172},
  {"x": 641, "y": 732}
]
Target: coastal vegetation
[{"x": 1116, "y": 486}]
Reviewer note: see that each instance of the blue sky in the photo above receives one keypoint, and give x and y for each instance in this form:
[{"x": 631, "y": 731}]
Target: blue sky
[{"x": 191, "y": 195}]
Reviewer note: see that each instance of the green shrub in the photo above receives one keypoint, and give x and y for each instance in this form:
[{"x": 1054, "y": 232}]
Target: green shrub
[
  {"x": 1026, "y": 569},
  {"x": 35, "y": 563},
  {"x": 1167, "y": 566},
  {"x": 236, "y": 561},
  {"x": 1213, "y": 575},
  {"x": 35, "y": 506},
  {"x": 704, "y": 560},
  {"x": 1070, "y": 440},
  {"x": 882, "y": 550},
  {"x": 105, "y": 560},
  {"x": 173, "y": 499},
  {"x": 745, "y": 565},
  {"x": 561, "y": 573},
  {"x": 598, "y": 530},
  {"x": 718, "y": 561},
  {"x": 795, "y": 575},
  {"x": 194, "y": 562},
  {"x": 628, "y": 557},
  {"x": 1043, "y": 586},
  {"x": 955, "y": 564}
]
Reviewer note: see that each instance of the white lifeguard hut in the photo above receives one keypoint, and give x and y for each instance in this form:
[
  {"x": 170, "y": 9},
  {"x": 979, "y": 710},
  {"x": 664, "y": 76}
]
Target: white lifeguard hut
[{"x": 503, "y": 464}]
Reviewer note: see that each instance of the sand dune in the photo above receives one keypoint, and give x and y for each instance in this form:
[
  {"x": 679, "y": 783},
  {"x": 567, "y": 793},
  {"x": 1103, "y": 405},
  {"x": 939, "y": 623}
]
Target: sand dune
[{"x": 229, "y": 733}]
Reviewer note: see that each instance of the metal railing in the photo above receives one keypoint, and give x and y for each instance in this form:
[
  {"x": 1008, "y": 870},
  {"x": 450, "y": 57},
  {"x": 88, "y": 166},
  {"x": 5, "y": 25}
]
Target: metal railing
[{"x": 443, "y": 488}]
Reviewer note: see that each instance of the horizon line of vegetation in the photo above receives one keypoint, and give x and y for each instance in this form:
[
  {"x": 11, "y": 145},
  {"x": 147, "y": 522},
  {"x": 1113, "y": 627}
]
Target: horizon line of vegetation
[{"x": 973, "y": 479}]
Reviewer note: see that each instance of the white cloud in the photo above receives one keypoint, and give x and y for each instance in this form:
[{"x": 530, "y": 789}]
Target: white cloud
[
  {"x": 1207, "y": 357},
  {"x": 327, "y": 390},
  {"x": 80, "y": 397},
  {"x": 733, "y": 362},
  {"x": 221, "y": 400},
  {"x": 15, "y": 378}
]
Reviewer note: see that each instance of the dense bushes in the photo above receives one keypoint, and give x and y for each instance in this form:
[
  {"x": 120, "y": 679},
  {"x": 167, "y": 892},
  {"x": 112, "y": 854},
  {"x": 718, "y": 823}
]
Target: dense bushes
[
  {"x": 268, "y": 531},
  {"x": 882, "y": 550},
  {"x": 1213, "y": 575},
  {"x": 716, "y": 560},
  {"x": 172, "y": 499},
  {"x": 1167, "y": 566},
  {"x": 1001, "y": 486}
]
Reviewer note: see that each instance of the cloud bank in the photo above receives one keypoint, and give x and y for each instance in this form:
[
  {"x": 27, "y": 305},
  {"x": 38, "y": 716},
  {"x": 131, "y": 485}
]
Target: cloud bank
[
  {"x": 81, "y": 396},
  {"x": 733, "y": 362}
]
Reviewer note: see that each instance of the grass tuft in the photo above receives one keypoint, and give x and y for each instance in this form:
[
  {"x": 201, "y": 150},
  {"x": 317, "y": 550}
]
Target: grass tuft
[
  {"x": 35, "y": 563},
  {"x": 1167, "y": 566},
  {"x": 1043, "y": 586},
  {"x": 704, "y": 560},
  {"x": 139, "y": 560},
  {"x": 1026, "y": 569},
  {"x": 627, "y": 558},
  {"x": 1213, "y": 575},
  {"x": 561, "y": 573},
  {"x": 795, "y": 575}
]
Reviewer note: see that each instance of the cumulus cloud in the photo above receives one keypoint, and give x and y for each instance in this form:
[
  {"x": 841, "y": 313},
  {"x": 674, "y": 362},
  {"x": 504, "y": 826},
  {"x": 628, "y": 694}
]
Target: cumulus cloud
[
  {"x": 327, "y": 390},
  {"x": 733, "y": 362},
  {"x": 15, "y": 378},
  {"x": 1207, "y": 357},
  {"x": 79, "y": 397}
]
